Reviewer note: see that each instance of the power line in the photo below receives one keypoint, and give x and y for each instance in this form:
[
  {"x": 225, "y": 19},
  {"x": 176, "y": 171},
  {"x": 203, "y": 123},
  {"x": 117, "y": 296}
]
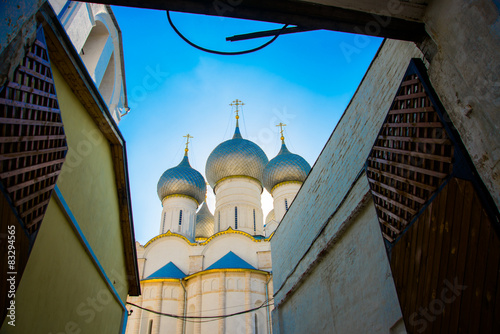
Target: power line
[
  {"x": 223, "y": 53},
  {"x": 206, "y": 318}
]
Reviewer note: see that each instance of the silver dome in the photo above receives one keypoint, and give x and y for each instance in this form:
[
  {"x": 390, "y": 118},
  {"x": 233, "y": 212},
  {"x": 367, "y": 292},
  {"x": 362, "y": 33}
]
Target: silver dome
[
  {"x": 235, "y": 157},
  {"x": 286, "y": 166},
  {"x": 182, "y": 180},
  {"x": 205, "y": 222}
]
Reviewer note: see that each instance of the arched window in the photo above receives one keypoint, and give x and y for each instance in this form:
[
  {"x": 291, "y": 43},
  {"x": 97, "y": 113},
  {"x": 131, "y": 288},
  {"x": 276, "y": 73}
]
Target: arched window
[
  {"x": 235, "y": 217},
  {"x": 163, "y": 225},
  {"x": 286, "y": 205},
  {"x": 218, "y": 223},
  {"x": 254, "y": 224},
  {"x": 180, "y": 219},
  {"x": 150, "y": 326}
]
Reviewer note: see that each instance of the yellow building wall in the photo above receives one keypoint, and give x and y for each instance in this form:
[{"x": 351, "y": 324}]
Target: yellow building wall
[
  {"x": 62, "y": 291},
  {"x": 88, "y": 184}
]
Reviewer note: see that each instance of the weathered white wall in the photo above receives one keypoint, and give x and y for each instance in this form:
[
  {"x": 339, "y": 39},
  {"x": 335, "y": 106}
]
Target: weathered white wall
[
  {"x": 328, "y": 202},
  {"x": 465, "y": 71}
]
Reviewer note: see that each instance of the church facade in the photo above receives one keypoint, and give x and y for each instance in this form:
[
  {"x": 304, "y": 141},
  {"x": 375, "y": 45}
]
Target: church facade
[{"x": 212, "y": 273}]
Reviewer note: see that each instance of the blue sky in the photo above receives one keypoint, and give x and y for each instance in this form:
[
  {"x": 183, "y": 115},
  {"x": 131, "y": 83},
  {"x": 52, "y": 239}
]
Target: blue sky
[{"x": 304, "y": 80}]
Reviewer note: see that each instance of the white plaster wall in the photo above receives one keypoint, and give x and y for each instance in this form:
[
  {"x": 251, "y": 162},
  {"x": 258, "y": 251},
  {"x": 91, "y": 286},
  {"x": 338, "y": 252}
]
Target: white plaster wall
[
  {"x": 286, "y": 191},
  {"x": 351, "y": 290},
  {"x": 171, "y": 213},
  {"x": 240, "y": 245},
  {"x": 465, "y": 71},
  {"x": 165, "y": 250},
  {"x": 245, "y": 194}
]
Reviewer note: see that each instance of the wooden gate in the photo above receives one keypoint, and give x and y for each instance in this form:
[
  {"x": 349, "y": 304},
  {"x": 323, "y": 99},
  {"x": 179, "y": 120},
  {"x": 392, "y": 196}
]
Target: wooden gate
[{"x": 438, "y": 221}]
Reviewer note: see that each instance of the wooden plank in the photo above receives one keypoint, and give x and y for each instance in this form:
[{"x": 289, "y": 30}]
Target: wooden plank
[
  {"x": 34, "y": 208},
  {"x": 455, "y": 218},
  {"x": 489, "y": 301},
  {"x": 410, "y": 96},
  {"x": 31, "y": 90},
  {"x": 6, "y": 156},
  {"x": 4, "y": 120},
  {"x": 414, "y": 154},
  {"x": 34, "y": 195},
  {"x": 449, "y": 208},
  {"x": 470, "y": 266},
  {"x": 416, "y": 139},
  {"x": 28, "y": 106},
  {"x": 401, "y": 179},
  {"x": 401, "y": 192},
  {"x": 479, "y": 273},
  {"x": 394, "y": 202},
  {"x": 32, "y": 181},
  {"x": 409, "y": 82},
  {"x": 38, "y": 59},
  {"x": 410, "y": 167},
  {"x": 15, "y": 139},
  {"x": 35, "y": 74},
  {"x": 30, "y": 168},
  {"x": 405, "y": 111},
  {"x": 414, "y": 125}
]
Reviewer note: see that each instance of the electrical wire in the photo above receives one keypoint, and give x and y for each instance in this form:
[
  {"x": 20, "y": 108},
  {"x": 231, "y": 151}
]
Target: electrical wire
[
  {"x": 223, "y": 53},
  {"x": 205, "y": 318}
]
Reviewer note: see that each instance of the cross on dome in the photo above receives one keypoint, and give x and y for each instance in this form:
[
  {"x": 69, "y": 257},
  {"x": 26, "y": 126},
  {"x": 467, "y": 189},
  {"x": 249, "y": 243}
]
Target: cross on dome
[
  {"x": 188, "y": 136},
  {"x": 281, "y": 125},
  {"x": 237, "y": 103}
]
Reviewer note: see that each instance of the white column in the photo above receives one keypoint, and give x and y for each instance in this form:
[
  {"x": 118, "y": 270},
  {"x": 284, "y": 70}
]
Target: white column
[
  {"x": 243, "y": 195},
  {"x": 178, "y": 215},
  {"x": 283, "y": 195}
]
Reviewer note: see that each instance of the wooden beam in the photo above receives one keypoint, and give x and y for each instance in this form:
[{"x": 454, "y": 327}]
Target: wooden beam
[{"x": 303, "y": 14}]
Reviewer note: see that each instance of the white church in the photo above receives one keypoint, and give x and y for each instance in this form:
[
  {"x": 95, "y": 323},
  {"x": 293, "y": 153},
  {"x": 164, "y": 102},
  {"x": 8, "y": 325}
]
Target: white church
[{"x": 212, "y": 273}]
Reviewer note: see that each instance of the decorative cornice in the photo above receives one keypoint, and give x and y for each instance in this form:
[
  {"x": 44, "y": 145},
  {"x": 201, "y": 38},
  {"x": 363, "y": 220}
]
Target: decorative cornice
[
  {"x": 284, "y": 183},
  {"x": 173, "y": 234},
  {"x": 189, "y": 242},
  {"x": 206, "y": 272},
  {"x": 180, "y": 195},
  {"x": 239, "y": 176}
]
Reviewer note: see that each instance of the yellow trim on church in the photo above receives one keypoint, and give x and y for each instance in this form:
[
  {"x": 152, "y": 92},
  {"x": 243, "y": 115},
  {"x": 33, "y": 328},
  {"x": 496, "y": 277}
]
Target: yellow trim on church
[
  {"x": 228, "y": 231},
  {"x": 285, "y": 182},
  {"x": 180, "y": 195},
  {"x": 211, "y": 271},
  {"x": 238, "y": 176}
]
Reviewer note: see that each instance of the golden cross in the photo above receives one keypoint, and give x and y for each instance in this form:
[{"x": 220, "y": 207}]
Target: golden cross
[
  {"x": 237, "y": 103},
  {"x": 187, "y": 141},
  {"x": 281, "y": 125}
]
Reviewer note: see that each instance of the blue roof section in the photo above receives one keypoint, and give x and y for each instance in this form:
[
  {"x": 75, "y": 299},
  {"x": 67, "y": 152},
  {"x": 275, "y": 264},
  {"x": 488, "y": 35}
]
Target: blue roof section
[
  {"x": 169, "y": 270},
  {"x": 230, "y": 261}
]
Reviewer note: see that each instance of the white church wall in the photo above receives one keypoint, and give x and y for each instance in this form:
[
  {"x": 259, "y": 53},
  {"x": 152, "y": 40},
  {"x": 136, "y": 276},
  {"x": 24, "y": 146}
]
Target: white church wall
[
  {"x": 285, "y": 191},
  {"x": 245, "y": 194},
  {"x": 173, "y": 220},
  {"x": 240, "y": 245},
  {"x": 164, "y": 250}
]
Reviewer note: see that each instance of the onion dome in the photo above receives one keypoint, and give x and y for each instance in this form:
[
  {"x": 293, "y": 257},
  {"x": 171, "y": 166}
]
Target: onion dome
[
  {"x": 182, "y": 180},
  {"x": 235, "y": 157},
  {"x": 204, "y": 222},
  {"x": 270, "y": 216},
  {"x": 286, "y": 166}
]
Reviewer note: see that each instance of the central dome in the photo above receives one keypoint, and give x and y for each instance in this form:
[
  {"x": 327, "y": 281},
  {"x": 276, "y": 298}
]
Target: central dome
[{"x": 235, "y": 157}]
